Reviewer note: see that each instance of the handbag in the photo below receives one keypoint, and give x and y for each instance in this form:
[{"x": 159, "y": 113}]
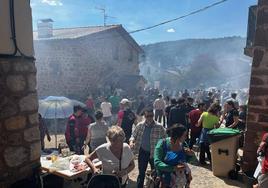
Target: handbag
[{"x": 152, "y": 180}]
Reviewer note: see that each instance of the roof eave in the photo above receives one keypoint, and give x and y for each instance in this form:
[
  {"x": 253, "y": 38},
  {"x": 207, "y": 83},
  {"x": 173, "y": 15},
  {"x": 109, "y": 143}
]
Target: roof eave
[{"x": 129, "y": 38}]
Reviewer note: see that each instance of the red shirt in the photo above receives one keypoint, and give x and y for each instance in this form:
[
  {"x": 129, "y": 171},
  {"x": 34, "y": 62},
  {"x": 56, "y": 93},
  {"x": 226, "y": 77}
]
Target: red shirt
[
  {"x": 264, "y": 147},
  {"x": 90, "y": 103},
  {"x": 83, "y": 126},
  {"x": 194, "y": 116}
]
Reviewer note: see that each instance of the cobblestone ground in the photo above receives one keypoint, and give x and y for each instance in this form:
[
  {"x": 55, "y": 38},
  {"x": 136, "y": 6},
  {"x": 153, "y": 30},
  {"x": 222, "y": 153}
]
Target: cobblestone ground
[{"x": 202, "y": 177}]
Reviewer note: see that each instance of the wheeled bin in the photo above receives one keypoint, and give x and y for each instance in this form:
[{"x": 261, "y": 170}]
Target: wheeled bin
[{"x": 224, "y": 145}]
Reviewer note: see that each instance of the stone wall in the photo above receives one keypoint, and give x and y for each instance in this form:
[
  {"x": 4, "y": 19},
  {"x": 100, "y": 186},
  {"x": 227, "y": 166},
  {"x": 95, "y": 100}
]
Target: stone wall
[
  {"x": 257, "y": 119},
  {"x": 77, "y": 67},
  {"x": 19, "y": 131}
]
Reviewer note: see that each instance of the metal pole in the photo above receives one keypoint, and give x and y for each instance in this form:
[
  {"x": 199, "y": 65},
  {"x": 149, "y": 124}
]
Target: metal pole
[{"x": 55, "y": 124}]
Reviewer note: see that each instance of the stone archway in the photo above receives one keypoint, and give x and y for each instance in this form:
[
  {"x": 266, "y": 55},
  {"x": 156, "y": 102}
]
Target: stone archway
[
  {"x": 19, "y": 131},
  {"x": 257, "y": 119}
]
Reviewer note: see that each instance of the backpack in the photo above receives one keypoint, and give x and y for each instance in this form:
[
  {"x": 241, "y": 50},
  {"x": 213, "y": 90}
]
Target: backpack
[{"x": 128, "y": 118}]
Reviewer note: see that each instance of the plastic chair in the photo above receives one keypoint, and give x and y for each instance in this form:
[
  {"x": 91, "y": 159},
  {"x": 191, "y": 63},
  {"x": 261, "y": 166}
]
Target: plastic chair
[{"x": 104, "y": 181}]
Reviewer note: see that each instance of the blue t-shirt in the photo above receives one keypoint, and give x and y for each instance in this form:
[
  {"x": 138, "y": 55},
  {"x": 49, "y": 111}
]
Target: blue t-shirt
[{"x": 173, "y": 157}]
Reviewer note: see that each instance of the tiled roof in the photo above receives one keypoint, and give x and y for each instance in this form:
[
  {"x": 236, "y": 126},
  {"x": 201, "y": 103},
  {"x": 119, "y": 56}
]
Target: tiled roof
[
  {"x": 76, "y": 32},
  {"x": 71, "y": 33}
]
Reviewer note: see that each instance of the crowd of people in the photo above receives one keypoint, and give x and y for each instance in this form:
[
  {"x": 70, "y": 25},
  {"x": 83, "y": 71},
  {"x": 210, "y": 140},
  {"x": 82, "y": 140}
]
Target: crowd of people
[{"x": 159, "y": 129}]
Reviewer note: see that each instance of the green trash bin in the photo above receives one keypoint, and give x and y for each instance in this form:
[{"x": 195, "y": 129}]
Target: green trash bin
[{"x": 224, "y": 145}]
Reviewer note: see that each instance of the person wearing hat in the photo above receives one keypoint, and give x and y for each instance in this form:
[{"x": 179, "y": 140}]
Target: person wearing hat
[{"x": 126, "y": 118}]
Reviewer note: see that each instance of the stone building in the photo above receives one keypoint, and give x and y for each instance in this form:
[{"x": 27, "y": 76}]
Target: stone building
[
  {"x": 19, "y": 131},
  {"x": 74, "y": 62},
  {"x": 257, "y": 118}
]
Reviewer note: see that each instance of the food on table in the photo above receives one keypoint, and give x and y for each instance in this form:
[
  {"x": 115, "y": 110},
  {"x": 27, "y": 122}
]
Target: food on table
[
  {"x": 61, "y": 164},
  {"x": 76, "y": 160},
  {"x": 77, "y": 164}
]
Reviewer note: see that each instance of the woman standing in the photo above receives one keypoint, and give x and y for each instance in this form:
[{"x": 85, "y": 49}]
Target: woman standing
[
  {"x": 230, "y": 114},
  {"x": 116, "y": 156},
  {"x": 209, "y": 120},
  {"x": 96, "y": 134}
]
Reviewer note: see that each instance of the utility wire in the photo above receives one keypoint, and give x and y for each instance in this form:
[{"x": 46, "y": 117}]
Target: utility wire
[
  {"x": 162, "y": 23},
  {"x": 186, "y": 15}
]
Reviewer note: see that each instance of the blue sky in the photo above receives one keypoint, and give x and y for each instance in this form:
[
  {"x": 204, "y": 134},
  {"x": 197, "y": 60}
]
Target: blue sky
[{"x": 226, "y": 19}]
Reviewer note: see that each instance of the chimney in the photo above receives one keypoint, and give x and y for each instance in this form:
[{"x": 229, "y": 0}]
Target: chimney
[{"x": 45, "y": 28}]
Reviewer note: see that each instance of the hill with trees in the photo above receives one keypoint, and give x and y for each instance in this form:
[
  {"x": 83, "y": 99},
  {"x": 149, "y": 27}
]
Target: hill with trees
[{"x": 190, "y": 63}]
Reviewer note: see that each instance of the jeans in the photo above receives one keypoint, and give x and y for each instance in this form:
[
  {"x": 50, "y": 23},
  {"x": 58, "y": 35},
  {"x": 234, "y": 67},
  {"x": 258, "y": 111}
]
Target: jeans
[
  {"x": 158, "y": 115},
  {"x": 193, "y": 137},
  {"x": 204, "y": 148},
  {"x": 143, "y": 160}
]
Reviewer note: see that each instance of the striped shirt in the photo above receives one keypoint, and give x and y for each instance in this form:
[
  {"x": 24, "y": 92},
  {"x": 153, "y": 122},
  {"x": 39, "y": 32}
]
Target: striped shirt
[{"x": 157, "y": 133}]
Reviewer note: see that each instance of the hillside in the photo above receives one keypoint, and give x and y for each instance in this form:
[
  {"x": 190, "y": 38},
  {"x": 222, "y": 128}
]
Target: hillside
[{"x": 189, "y": 63}]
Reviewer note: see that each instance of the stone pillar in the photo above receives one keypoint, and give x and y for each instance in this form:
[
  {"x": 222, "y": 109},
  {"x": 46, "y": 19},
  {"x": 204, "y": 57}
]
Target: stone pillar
[
  {"x": 19, "y": 131},
  {"x": 257, "y": 119}
]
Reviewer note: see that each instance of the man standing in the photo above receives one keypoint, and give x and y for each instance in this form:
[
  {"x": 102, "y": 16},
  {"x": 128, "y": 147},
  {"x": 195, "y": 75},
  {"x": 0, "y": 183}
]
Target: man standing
[
  {"x": 114, "y": 100},
  {"x": 126, "y": 118},
  {"x": 72, "y": 135},
  {"x": 233, "y": 98},
  {"x": 106, "y": 108},
  {"x": 143, "y": 140},
  {"x": 185, "y": 94},
  {"x": 140, "y": 109},
  {"x": 173, "y": 103},
  {"x": 178, "y": 113},
  {"x": 159, "y": 107},
  {"x": 208, "y": 100}
]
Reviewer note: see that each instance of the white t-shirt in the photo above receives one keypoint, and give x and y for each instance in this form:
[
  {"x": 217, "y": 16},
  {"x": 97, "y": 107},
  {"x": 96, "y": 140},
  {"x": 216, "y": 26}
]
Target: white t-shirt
[
  {"x": 110, "y": 162},
  {"x": 106, "y": 109}
]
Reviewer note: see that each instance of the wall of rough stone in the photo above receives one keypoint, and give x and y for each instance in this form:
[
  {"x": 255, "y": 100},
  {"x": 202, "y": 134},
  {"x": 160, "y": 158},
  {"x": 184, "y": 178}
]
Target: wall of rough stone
[
  {"x": 77, "y": 67},
  {"x": 19, "y": 131},
  {"x": 257, "y": 119}
]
